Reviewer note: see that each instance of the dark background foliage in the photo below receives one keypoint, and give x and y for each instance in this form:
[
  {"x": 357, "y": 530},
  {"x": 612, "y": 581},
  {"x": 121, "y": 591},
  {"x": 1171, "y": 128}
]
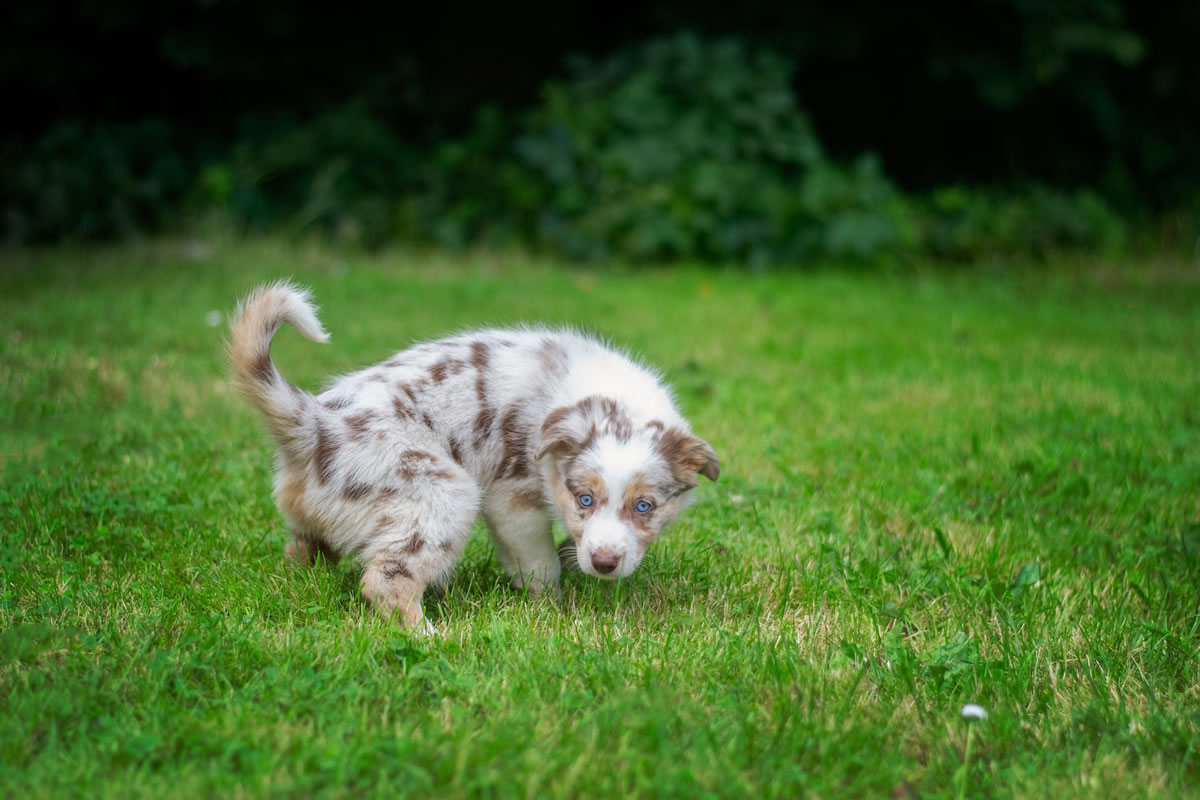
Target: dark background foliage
[{"x": 936, "y": 126}]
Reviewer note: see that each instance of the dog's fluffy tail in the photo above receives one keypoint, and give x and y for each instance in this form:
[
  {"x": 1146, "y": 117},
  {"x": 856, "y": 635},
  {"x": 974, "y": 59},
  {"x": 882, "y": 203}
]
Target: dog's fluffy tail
[{"x": 255, "y": 323}]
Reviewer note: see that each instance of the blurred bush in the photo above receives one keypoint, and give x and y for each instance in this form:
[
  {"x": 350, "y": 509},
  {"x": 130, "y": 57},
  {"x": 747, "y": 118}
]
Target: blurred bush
[
  {"x": 684, "y": 149},
  {"x": 679, "y": 148},
  {"x": 94, "y": 182},
  {"x": 340, "y": 174},
  {"x": 965, "y": 224}
]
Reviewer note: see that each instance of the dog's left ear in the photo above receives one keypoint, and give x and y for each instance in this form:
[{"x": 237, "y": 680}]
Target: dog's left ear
[{"x": 688, "y": 456}]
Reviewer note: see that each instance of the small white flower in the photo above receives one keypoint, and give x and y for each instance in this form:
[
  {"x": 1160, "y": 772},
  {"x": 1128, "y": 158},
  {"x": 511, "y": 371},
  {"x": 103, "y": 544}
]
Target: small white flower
[
  {"x": 973, "y": 712},
  {"x": 213, "y": 318},
  {"x": 736, "y": 498}
]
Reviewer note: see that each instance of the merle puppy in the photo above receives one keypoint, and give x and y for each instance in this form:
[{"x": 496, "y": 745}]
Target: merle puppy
[{"x": 392, "y": 464}]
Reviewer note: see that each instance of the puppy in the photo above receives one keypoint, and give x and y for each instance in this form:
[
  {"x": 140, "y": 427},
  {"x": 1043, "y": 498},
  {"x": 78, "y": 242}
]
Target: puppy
[{"x": 392, "y": 464}]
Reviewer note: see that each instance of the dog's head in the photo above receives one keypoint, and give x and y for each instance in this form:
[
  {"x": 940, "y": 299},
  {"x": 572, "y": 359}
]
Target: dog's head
[{"x": 618, "y": 484}]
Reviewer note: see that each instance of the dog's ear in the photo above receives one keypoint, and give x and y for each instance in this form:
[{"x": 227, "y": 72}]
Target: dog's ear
[
  {"x": 688, "y": 456},
  {"x": 560, "y": 433}
]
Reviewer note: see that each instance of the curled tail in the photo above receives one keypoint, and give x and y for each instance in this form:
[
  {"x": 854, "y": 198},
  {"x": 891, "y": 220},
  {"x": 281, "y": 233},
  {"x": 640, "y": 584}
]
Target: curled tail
[{"x": 255, "y": 322}]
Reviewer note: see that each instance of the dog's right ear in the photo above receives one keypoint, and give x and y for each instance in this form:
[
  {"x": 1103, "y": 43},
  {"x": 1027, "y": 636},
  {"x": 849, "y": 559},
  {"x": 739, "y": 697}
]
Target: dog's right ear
[{"x": 561, "y": 433}]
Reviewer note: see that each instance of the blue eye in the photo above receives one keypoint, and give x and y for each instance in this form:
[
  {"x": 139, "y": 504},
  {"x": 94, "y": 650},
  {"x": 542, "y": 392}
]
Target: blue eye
[
  {"x": 585, "y": 500},
  {"x": 643, "y": 506}
]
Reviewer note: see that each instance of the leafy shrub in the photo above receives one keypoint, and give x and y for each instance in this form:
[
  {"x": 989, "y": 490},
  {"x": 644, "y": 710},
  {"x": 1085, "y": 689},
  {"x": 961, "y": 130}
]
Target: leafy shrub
[
  {"x": 678, "y": 148},
  {"x": 341, "y": 173},
  {"x": 963, "y": 223},
  {"x": 473, "y": 189},
  {"x": 94, "y": 182},
  {"x": 682, "y": 148}
]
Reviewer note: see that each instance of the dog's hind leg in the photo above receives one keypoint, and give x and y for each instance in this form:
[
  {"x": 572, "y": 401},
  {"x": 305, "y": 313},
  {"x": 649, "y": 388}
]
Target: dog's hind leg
[{"x": 291, "y": 495}]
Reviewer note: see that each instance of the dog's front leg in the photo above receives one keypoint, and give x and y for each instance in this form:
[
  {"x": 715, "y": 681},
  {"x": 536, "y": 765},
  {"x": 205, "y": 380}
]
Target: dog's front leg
[
  {"x": 395, "y": 594},
  {"x": 520, "y": 527},
  {"x": 417, "y": 537}
]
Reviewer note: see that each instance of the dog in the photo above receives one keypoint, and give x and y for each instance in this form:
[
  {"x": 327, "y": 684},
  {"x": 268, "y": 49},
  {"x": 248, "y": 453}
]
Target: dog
[{"x": 392, "y": 464}]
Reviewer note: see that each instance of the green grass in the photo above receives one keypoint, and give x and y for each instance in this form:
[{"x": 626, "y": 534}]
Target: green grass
[{"x": 935, "y": 490}]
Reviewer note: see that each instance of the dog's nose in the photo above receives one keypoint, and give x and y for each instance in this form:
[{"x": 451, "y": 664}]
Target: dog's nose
[{"x": 605, "y": 561}]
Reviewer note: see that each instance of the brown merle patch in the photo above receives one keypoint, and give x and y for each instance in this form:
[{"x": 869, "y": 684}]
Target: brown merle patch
[
  {"x": 598, "y": 416},
  {"x": 356, "y": 490},
  {"x": 456, "y": 451},
  {"x": 413, "y": 545},
  {"x": 446, "y": 545},
  {"x": 446, "y": 367},
  {"x": 428, "y": 420},
  {"x": 527, "y": 499},
  {"x": 336, "y": 403},
  {"x": 402, "y": 410},
  {"x": 514, "y": 463},
  {"x": 394, "y": 568},
  {"x": 382, "y": 526},
  {"x": 487, "y": 414},
  {"x": 359, "y": 424},
  {"x": 262, "y": 369},
  {"x": 324, "y": 454},
  {"x": 479, "y": 355},
  {"x": 483, "y": 425},
  {"x": 408, "y": 390},
  {"x": 612, "y": 418}
]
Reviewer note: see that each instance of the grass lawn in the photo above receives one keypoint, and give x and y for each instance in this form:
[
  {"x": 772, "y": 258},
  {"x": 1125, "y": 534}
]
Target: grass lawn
[{"x": 935, "y": 490}]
